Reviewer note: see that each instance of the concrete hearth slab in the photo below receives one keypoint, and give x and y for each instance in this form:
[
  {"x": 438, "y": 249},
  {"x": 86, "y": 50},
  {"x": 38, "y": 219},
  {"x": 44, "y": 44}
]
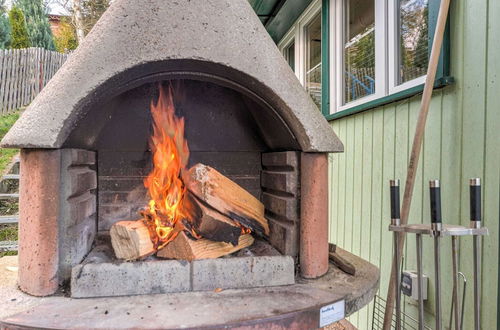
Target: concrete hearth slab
[
  {"x": 248, "y": 272},
  {"x": 286, "y": 307},
  {"x": 102, "y": 275},
  {"x": 125, "y": 279}
]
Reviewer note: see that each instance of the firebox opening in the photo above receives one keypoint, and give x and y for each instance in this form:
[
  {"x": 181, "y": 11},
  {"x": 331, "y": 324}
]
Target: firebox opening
[{"x": 225, "y": 129}]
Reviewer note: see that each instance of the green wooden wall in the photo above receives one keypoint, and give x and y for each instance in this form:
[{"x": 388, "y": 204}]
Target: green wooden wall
[{"x": 462, "y": 141}]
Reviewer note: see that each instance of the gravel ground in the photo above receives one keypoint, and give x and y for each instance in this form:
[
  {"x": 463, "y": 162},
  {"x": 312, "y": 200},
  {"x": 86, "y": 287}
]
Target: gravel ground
[{"x": 12, "y": 299}]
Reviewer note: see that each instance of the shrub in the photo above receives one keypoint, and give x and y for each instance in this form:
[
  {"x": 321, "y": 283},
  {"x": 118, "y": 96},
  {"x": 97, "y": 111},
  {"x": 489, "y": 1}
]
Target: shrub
[
  {"x": 19, "y": 33},
  {"x": 66, "y": 39},
  {"x": 4, "y": 27},
  {"x": 37, "y": 23}
]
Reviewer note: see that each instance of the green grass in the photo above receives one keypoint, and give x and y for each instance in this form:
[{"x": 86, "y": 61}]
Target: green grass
[
  {"x": 6, "y": 155},
  {"x": 8, "y": 207},
  {"x": 8, "y": 233}
]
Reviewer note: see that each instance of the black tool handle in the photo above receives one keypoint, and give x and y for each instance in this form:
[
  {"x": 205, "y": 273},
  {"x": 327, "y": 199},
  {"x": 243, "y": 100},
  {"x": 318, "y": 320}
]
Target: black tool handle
[
  {"x": 475, "y": 199},
  {"x": 395, "y": 206},
  {"x": 435, "y": 193}
]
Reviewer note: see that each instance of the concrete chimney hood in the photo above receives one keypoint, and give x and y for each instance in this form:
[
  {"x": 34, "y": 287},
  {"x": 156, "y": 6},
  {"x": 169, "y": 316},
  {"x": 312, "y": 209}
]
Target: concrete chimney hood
[{"x": 136, "y": 41}]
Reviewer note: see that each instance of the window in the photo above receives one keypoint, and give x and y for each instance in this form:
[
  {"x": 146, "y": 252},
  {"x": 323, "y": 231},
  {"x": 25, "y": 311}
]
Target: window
[
  {"x": 381, "y": 48},
  {"x": 376, "y": 49},
  {"x": 413, "y": 39},
  {"x": 289, "y": 54},
  {"x": 301, "y": 48},
  {"x": 359, "y": 49},
  {"x": 312, "y": 32}
]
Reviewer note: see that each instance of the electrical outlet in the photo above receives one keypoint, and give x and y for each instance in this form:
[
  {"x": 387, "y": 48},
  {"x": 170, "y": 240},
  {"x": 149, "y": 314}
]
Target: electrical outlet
[{"x": 409, "y": 284}]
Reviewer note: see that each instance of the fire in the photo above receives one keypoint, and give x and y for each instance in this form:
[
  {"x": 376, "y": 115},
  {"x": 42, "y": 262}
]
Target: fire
[{"x": 169, "y": 206}]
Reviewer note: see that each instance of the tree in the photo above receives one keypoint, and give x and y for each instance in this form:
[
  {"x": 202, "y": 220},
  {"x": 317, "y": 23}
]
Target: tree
[
  {"x": 85, "y": 13},
  {"x": 78, "y": 19},
  {"x": 66, "y": 39},
  {"x": 37, "y": 23},
  {"x": 19, "y": 33},
  {"x": 422, "y": 48},
  {"x": 92, "y": 11},
  {"x": 4, "y": 27}
]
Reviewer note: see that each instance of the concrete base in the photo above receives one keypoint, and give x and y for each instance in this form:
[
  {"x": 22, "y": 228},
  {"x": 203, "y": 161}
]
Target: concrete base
[
  {"x": 101, "y": 275},
  {"x": 288, "y": 307}
]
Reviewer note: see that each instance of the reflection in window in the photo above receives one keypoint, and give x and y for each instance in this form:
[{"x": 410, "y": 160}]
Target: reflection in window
[
  {"x": 359, "y": 49},
  {"x": 290, "y": 55},
  {"x": 414, "y": 39},
  {"x": 313, "y": 59}
]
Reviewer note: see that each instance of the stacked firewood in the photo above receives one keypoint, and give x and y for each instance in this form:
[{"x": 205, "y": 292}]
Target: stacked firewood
[{"x": 226, "y": 215}]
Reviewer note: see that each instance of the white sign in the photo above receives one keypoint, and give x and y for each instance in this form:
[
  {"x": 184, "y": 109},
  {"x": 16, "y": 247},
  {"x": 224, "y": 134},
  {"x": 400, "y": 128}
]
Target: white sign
[{"x": 331, "y": 313}]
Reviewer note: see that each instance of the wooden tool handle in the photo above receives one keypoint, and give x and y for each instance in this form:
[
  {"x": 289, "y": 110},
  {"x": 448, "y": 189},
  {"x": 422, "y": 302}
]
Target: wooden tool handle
[{"x": 417, "y": 146}]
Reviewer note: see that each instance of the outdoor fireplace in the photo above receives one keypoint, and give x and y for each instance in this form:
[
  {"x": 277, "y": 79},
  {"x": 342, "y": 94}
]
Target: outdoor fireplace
[{"x": 85, "y": 144}]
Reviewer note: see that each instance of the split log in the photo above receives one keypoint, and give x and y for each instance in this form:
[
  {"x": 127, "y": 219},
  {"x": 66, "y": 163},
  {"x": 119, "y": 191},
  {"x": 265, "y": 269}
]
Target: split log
[
  {"x": 131, "y": 240},
  {"x": 185, "y": 248},
  {"x": 215, "y": 226},
  {"x": 340, "y": 262},
  {"x": 227, "y": 197}
]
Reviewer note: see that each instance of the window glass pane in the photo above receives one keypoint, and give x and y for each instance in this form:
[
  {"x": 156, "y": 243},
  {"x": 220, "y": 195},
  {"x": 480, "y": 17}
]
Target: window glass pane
[
  {"x": 290, "y": 55},
  {"x": 414, "y": 39},
  {"x": 313, "y": 59},
  {"x": 359, "y": 49}
]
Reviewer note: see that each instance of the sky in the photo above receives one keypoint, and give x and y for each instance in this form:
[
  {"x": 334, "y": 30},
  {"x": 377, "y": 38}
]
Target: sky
[{"x": 54, "y": 7}]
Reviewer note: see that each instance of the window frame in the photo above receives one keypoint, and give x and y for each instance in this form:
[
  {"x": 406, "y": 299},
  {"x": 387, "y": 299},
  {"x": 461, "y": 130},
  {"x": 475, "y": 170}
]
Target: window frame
[
  {"x": 297, "y": 34},
  {"x": 285, "y": 43},
  {"x": 337, "y": 29},
  {"x": 386, "y": 56},
  {"x": 393, "y": 47}
]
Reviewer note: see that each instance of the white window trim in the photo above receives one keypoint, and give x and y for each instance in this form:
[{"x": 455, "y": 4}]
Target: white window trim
[
  {"x": 337, "y": 29},
  {"x": 386, "y": 52},
  {"x": 297, "y": 33},
  {"x": 393, "y": 46},
  {"x": 285, "y": 43}
]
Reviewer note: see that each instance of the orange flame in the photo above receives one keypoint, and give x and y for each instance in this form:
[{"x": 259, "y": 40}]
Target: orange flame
[{"x": 169, "y": 204}]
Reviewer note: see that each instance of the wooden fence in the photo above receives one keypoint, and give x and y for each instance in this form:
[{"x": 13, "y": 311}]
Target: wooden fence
[{"x": 24, "y": 73}]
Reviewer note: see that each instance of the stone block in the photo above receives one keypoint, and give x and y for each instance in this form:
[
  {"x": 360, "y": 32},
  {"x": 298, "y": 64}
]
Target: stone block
[
  {"x": 81, "y": 207},
  {"x": 81, "y": 180},
  {"x": 280, "y": 159},
  {"x": 125, "y": 279},
  {"x": 78, "y": 240},
  {"x": 285, "y": 182},
  {"x": 245, "y": 272},
  {"x": 286, "y": 207},
  {"x": 120, "y": 184},
  {"x": 82, "y": 157},
  {"x": 110, "y": 214},
  {"x": 284, "y": 236},
  {"x": 78, "y": 208},
  {"x": 280, "y": 181}
]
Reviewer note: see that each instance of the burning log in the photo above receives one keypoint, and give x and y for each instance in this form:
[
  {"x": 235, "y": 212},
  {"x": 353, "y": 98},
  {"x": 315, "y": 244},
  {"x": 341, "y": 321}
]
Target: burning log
[
  {"x": 227, "y": 197},
  {"x": 201, "y": 203},
  {"x": 185, "y": 248},
  {"x": 214, "y": 225},
  {"x": 131, "y": 240}
]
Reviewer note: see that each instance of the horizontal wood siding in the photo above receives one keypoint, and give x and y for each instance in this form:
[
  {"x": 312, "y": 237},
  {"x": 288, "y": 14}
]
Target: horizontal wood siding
[{"x": 461, "y": 141}]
